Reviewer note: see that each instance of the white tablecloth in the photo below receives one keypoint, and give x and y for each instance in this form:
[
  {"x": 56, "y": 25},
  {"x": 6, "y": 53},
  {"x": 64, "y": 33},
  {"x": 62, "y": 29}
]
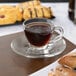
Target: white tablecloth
[{"x": 60, "y": 10}]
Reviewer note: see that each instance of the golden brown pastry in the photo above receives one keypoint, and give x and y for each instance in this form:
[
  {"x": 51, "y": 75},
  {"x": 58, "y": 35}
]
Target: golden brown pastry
[
  {"x": 68, "y": 61},
  {"x": 10, "y": 14},
  {"x": 33, "y": 9},
  {"x": 26, "y": 14},
  {"x": 23, "y": 11},
  {"x": 47, "y": 12},
  {"x": 37, "y": 11},
  {"x": 15, "y": 10},
  {"x": 6, "y": 17},
  {"x": 6, "y": 6},
  {"x": 29, "y": 4},
  {"x": 18, "y": 12},
  {"x": 62, "y": 71}
]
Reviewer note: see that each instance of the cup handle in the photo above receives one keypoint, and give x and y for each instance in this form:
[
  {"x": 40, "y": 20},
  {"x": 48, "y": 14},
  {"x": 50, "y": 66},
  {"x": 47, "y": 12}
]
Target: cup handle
[{"x": 60, "y": 32}]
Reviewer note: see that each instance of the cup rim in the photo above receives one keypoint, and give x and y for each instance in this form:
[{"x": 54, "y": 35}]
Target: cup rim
[{"x": 37, "y": 22}]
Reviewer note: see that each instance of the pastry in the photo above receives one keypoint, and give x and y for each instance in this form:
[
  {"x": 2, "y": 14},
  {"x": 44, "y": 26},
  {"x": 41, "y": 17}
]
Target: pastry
[
  {"x": 28, "y": 4},
  {"x": 10, "y": 14},
  {"x": 18, "y": 12},
  {"x": 37, "y": 11},
  {"x": 13, "y": 9},
  {"x": 68, "y": 61},
  {"x": 6, "y": 17},
  {"x": 62, "y": 71},
  {"x": 23, "y": 11},
  {"x": 26, "y": 14},
  {"x": 33, "y": 9}
]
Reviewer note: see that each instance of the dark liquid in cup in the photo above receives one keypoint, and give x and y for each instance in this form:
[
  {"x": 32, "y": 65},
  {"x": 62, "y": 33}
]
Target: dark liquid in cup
[{"x": 38, "y": 35}]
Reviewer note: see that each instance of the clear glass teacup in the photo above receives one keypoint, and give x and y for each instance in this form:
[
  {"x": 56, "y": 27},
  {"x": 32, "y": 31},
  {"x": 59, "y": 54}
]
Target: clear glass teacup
[{"x": 39, "y": 32}]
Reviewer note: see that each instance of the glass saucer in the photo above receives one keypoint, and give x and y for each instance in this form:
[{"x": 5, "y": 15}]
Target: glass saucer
[{"x": 20, "y": 46}]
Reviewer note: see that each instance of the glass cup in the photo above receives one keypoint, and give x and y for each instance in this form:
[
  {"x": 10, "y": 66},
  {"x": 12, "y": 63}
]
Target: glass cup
[{"x": 39, "y": 32}]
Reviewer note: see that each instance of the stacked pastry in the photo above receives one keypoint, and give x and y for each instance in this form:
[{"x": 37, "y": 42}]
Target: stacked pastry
[
  {"x": 29, "y": 4},
  {"x": 23, "y": 11},
  {"x": 67, "y": 67},
  {"x": 33, "y": 9}
]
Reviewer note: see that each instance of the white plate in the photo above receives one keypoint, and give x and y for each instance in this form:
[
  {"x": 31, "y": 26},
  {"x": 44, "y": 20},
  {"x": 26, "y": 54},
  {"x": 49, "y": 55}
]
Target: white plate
[{"x": 44, "y": 71}]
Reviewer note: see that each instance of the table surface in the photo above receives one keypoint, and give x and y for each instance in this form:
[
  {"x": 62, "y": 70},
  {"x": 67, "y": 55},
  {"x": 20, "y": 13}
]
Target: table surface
[
  {"x": 60, "y": 10},
  {"x": 12, "y": 64}
]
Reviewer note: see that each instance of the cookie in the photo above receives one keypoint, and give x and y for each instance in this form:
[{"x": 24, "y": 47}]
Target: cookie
[
  {"x": 68, "y": 61},
  {"x": 62, "y": 71}
]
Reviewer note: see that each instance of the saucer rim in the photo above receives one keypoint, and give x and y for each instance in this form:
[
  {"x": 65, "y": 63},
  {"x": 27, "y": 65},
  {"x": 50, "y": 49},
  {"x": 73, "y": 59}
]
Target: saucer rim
[{"x": 41, "y": 56}]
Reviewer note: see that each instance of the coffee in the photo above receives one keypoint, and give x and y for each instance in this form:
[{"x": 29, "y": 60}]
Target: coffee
[{"x": 38, "y": 34}]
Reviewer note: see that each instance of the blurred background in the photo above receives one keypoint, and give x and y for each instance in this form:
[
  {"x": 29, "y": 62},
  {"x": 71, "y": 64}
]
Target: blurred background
[{"x": 28, "y": 0}]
